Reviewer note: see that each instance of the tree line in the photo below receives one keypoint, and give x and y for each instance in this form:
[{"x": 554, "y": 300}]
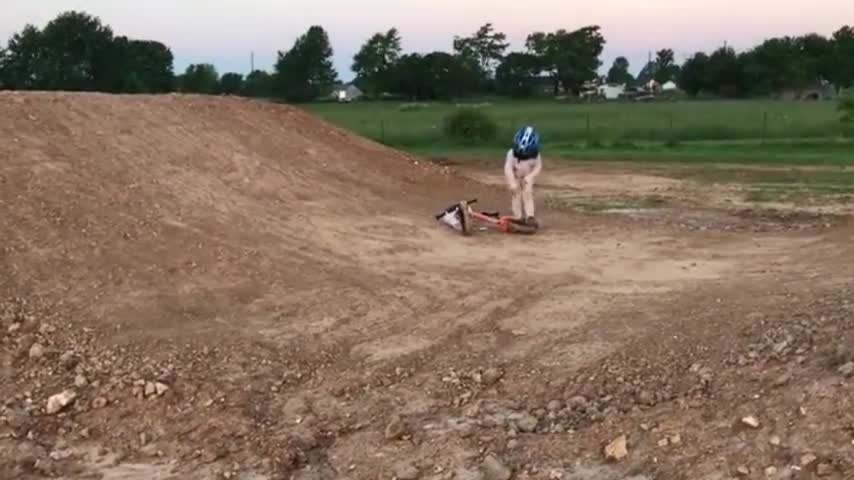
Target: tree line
[{"x": 75, "y": 51}]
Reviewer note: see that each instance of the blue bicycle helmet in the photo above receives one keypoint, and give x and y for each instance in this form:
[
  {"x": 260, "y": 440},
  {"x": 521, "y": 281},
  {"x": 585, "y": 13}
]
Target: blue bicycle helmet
[{"x": 526, "y": 143}]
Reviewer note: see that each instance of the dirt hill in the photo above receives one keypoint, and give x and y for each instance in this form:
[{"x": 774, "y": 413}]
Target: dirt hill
[
  {"x": 161, "y": 213},
  {"x": 205, "y": 287}
]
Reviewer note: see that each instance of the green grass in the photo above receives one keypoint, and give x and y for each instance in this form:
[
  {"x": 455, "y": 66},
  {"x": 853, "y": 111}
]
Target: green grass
[
  {"x": 728, "y": 130},
  {"x": 772, "y": 184}
]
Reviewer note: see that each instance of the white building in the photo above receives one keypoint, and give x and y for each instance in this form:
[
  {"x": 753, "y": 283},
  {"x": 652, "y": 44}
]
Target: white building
[
  {"x": 347, "y": 93},
  {"x": 612, "y": 92},
  {"x": 670, "y": 86}
]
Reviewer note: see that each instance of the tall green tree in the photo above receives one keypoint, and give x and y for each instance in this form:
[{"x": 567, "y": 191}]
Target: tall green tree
[
  {"x": 305, "y": 72},
  {"x": 842, "y": 73},
  {"x": 75, "y": 51},
  {"x": 435, "y": 76},
  {"x": 578, "y": 56},
  {"x": 138, "y": 66},
  {"x": 693, "y": 77},
  {"x": 725, "y": 73},
  {"x": 22, "y": 62},
  {"x": 72, "y": 52},
  {"x": 258, "y": 84},
  {"x": 572, "y": 58},
  {"x": 517, "y": 74},
  {"x": 666, "y": 68},
  {"x": 619, "y": 72},
  {"x": 410, "y": 77},
  {"x": 375, "y": 61},
  {"x": 484, "y": 49},
  {"x": 775, "y": 65},
  {"x": 541, "y": 46},
  {"x": 200, "y": 78},
  {"x": 231, "y": 84},
  {"x": 818, "y": 56}
]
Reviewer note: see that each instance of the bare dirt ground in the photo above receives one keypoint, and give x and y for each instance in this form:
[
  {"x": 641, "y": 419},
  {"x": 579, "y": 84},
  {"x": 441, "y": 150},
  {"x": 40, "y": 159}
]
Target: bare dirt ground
[{"x": 205, "y": 288}]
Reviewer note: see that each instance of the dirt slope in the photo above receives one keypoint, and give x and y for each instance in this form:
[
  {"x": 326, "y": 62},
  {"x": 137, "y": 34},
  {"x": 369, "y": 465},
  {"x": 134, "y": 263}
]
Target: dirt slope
[
  {"x": 168, "y": 210},
  {"x": 200, "y": 287}
]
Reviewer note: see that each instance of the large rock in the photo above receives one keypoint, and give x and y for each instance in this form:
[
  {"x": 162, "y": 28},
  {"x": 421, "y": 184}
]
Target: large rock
[
  {"x": 36, "y": 351},
  {"x": 525, "y": 421},
  {"x": 493, "y": 469},
  {"x": 396, "y": 429},
  {"x": 405, "y": 471},
  {"x": 617, "y": 449},
  {"x": 58, "y": 402}
]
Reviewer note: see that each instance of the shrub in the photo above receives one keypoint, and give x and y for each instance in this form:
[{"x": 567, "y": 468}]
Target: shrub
[
  {"x": 671, "y": 143},
  {"x": 470, "y": 125}
]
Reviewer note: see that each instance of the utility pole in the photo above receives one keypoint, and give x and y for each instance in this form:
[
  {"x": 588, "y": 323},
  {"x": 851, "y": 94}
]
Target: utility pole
[{"x": 251, "y": 62}]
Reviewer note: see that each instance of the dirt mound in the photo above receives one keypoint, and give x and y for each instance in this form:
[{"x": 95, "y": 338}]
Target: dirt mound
[{"x": 163, "y": 210}]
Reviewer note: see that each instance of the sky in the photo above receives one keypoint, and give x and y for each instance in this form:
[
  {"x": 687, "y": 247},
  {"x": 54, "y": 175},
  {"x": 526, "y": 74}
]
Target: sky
[{"x": 227, "y": 32}]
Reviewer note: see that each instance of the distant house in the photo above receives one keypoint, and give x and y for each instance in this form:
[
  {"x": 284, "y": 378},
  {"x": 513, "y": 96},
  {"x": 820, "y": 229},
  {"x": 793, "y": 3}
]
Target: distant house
[
  {"x": 652, "y": 87},
  {"x": 669, "y": 86},
  {"x": 819, "y": 91},
  {"x": 347, "y": 92},
  {"x": 612, "y": 91},
  {"x": 544, "y": 84}
]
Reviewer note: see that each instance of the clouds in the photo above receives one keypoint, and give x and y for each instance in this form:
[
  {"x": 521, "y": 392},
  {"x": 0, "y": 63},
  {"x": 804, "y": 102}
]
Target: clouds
[{"x": 226, "y": 31}]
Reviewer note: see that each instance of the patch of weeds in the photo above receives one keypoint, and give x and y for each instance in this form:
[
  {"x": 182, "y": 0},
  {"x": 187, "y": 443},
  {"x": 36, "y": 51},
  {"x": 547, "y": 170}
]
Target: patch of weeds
[
  {"x": 413, "y": 107},
  {"x": 594, "y": 205},
  {"x": 766, "y": 195},
  {"x": 625, "y": 144}
]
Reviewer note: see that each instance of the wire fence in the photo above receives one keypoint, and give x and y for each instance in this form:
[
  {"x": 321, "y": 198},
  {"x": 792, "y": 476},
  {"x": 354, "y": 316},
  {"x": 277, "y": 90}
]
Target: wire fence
[{"x": 614, "y": 126}]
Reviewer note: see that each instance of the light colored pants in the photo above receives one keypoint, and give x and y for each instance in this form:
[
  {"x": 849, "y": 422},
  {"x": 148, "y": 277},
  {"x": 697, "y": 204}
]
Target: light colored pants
[
  {"x": 524, "y": 173},
  {"x": 523, "y": 200}
]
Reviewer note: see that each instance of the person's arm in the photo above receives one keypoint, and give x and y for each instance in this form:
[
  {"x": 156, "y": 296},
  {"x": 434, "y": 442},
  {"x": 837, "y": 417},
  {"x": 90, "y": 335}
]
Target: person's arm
[
  {"x": 538, "y": 167},
  {"x": 509, "y": 175}
]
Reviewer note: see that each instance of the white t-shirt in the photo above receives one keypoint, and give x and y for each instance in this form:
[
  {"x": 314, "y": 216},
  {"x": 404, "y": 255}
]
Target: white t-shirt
[{"x": 516, "y": 170}]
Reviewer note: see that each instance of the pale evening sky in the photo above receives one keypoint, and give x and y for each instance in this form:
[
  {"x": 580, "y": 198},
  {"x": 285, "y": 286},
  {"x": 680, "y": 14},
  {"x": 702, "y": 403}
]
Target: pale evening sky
[{"x": 224, "y": 32}]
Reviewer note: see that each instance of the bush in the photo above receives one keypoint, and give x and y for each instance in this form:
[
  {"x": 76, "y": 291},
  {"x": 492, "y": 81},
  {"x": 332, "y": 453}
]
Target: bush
[{"x": 470, "y": 125}]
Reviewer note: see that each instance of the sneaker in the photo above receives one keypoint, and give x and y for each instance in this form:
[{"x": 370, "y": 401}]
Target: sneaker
[{"x": 532, "y": 222}]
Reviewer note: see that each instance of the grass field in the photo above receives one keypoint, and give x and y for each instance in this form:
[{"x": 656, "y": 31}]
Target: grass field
[{"x": 723, "y": 130}]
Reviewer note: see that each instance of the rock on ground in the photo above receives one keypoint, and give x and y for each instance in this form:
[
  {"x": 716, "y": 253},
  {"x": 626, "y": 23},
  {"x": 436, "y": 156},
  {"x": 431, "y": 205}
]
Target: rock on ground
[
  {"x": 526, "y": 422},
  {"x": 847, "y": 370},
  {"x": 395, "y": 429},
  {"x": 491, "y": 376},
  {"x": 405, "y": 471},
  {"x": 617, "y": 449},
  {"x": 750, "y": 421},
  {"x": 58, "y": 402},
  {"x": 493, "y": 469}
]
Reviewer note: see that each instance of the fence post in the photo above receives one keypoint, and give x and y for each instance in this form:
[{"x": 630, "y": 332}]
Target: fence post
[
  {"x": 589, "y": 139},
  {"x": 670, "y": 120}
]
